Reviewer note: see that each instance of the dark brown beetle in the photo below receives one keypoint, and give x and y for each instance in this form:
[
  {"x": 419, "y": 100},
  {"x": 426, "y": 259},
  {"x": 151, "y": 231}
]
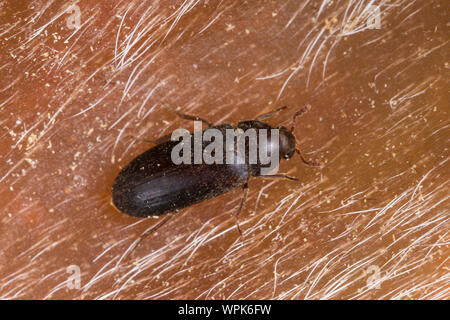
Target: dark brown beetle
[{"x": 152, "y": 185}]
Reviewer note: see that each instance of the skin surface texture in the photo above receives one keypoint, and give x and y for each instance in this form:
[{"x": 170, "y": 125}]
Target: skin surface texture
[{"x": 82, "y": 83}]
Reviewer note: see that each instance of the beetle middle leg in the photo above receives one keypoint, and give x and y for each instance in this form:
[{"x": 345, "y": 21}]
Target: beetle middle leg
[
  {"x": 168, "y": 137},
  {"x": 155, "y": 142},
  {"x": 270, "y": 114},
  {"x": 279, "y": 176},
  {"x": 189, "y": 117},
  {"x": 244, "y": 197}
]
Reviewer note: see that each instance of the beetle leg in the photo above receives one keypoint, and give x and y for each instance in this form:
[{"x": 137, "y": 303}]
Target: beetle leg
[
  {"x": 245, "y": 188},
  {"x": 144, "y": 235},
  {"x": 155, "y": 142},
  {"x": 299, "y": 113},
  {"x": 270, "y": 114},
  {"x": 189, "y": 117},
  {"x": 308, "y": 162},
  {"x": 279, "y": 176}
]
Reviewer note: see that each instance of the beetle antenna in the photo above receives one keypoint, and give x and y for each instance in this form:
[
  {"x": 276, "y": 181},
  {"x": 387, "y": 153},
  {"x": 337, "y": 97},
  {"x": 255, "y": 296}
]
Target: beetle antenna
[
  {"x": 299, "y": 113},
  {"x": 308, "y": 162}
]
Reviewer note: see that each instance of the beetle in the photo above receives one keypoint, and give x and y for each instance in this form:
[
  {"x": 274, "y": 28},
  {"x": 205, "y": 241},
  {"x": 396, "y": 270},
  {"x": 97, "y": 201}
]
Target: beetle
[{"x": 152, "y": 185}]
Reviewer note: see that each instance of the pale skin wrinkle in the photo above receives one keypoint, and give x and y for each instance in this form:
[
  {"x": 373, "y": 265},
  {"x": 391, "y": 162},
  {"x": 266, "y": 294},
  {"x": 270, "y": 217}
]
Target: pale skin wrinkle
[{"x": 372, "y": 223}]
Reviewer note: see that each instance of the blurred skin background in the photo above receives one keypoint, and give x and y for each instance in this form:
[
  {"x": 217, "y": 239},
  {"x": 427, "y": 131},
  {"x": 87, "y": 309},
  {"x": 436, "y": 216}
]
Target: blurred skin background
[{"x": 79, "y": 80}]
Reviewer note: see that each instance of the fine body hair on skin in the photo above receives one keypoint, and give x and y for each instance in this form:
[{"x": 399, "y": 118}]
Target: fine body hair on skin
[{"x": 84, "y": 84}]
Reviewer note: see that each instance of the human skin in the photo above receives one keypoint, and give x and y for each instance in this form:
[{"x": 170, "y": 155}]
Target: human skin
[{"x": 371, "y": 223}]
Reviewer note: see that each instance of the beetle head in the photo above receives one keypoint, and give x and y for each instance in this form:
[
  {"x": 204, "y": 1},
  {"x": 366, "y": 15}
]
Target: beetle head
[{"x": 287, "y": 143}]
